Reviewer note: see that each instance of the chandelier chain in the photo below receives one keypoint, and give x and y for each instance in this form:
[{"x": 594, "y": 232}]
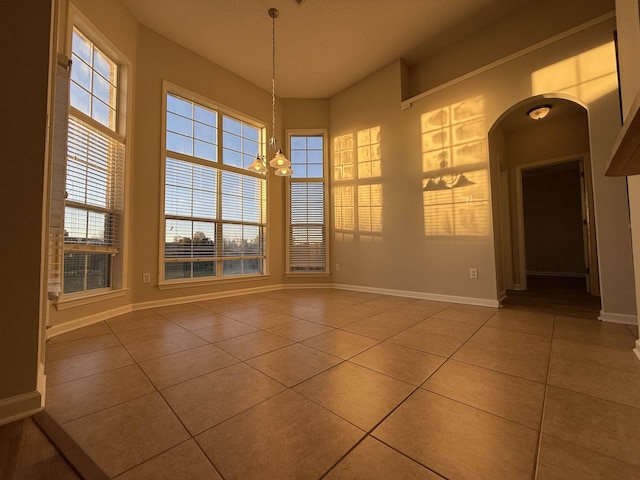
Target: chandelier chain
[{"x": 273, "y": 83}]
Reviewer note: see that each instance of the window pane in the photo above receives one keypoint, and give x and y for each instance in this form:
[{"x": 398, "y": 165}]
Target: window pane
[
  {"x": 104, "y": 66},
  {"x": 81, "y": 47},
  {"x": 179, "y": 124},
  {"x": 179, "y": 106},
  {"x": 206, "y": 151},
  {"x": 231, "y": 125},
  {"x": 232, "y": 267},
  {"x": 80, "y": 99},
  {"x": 98, "y": 270},
  {"x": 179, "y": 143},
  {"x": 81, "y": 73},
  {"x": 204, "y": 269},
  {"x": 205, "y": 115},
  {"x": 174, "y": 270}
]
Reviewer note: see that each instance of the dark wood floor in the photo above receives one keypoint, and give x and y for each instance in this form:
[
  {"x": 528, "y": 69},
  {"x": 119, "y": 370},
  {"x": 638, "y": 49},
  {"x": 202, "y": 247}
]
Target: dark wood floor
[
  {"x": 27, "y": 454},
  {"x": 557, "y": 295}
]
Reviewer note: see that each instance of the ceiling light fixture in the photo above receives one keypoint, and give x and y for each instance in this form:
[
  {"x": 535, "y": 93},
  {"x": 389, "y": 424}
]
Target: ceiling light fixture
[
  {"x": 539, "y": 112},
  {"x": 280, "y": 163}
]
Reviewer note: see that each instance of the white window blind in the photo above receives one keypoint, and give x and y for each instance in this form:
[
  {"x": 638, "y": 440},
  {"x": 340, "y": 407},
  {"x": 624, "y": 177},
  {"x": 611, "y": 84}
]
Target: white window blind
[
  {"x": 57, "y": 191},
  {"x": 307, "y": 245}
]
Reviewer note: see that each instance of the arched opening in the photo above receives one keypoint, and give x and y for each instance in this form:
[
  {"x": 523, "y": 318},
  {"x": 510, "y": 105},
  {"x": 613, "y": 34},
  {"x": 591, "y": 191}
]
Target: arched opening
[{"x": 542, "y": 202}]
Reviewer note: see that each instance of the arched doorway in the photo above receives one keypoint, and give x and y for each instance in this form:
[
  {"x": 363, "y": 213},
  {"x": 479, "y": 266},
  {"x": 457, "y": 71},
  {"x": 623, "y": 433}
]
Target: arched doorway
[{"x": 542, "y": 199}]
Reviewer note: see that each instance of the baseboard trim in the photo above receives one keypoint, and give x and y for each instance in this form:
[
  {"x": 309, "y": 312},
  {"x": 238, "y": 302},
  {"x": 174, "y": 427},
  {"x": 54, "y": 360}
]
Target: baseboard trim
[
  {"x": 54, "y": 330},
  {"x": 637, "y": 349},
  {"x": 483, "y": 302},
  {"x": 206, "y": 296},
  {"x": 19, "y": 407},
  {"x": 618, "y": 318}
]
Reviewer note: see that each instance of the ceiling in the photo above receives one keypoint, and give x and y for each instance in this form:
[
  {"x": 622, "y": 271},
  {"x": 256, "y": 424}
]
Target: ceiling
[{"x": 322, "y": 46}]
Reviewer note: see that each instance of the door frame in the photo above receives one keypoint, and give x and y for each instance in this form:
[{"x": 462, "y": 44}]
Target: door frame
[{"x": 588, "y": 233}]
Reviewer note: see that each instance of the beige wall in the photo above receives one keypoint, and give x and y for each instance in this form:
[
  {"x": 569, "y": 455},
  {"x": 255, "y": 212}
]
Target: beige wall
[
  {"x": 505, "y": 37},
  {"x": 23, "y": 96},
  {"x": 628, "y": 42},
  {"x": 407, "y": 259}
]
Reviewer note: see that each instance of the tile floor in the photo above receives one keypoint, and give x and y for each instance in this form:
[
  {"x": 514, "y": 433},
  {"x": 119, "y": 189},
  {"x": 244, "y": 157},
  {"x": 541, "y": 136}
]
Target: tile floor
[{"x": 334, "y": 384}]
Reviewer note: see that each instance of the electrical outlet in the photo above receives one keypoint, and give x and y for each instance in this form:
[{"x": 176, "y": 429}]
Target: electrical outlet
[
  {"x": 473, "y": 273},
  {"x": 146, "y": 278},
  {"x": 337, "y": 267}
]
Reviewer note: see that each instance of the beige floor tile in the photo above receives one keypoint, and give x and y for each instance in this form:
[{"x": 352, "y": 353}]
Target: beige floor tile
[
  {"x": 294, "y": 364},
  {"x": 458, "y": 441},
  {"x": 383, "y": 325},
  {"x": 207, "y": 400},
  {"x": 183, "y": 310},
  {"x": 340, "y": 343},
  {"x": 81, "y": 346},
  {"x": 336, "y": 318},
  {"x": 470, "y": 317},
  {"x": 253, "y": 344},
  {"x": 208, "y": 319},
  {"x": 506, "y": 396},
  {"x": 73, "y": 368},
  {"x": 560, "y": 460},
  {"x": 402, "y": 363},
  {"x": 373, "y": 460},
  {"x": 477, "y": 309},
  {"x": 300, "y": 330},
  {"x": 244, "y": 313},
  {"x": 268, "y": 320},
  {"x": 158, "y": 347},
  {"x": 183, "y": 462},
  {"x": 533, "y": 323},
  {"x": 81, "y": 397},
  {"x": 357, "y": 394},
  {"x": 610, "y": 357},
  {"x": 124, "y": 323},
  {"x": 182, "y": 366},
  {"x": 436, "y": 335},
  {"x": 128, "y": 434},
  {"x": 606, "y": 427},
  {"x": 223, "y": 331},
  {"x": 515, "y": 353},
  {"x": 94, "y": 330},
  {"x": 219, "y": 305},
  {"x": 595, "y": 380},
  {"x": 286, "y": 437},
  {"x": 593, "y": 332},
  {"x": 160, "y": 330}
]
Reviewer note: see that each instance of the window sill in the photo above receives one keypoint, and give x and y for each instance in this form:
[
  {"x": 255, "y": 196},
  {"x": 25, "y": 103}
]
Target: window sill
[
  {"x": 66, "y": 303},
  {"x": 307, "y": 274},
  {"x": 209, "y": 282}
]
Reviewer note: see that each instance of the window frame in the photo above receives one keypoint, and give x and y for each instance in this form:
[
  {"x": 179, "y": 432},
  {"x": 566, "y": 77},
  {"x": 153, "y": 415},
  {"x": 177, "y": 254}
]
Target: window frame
[
  {"x": 120, "y": 133},
  {"x": 289, "y": 133},
  {"x": 219, "y": 258}
]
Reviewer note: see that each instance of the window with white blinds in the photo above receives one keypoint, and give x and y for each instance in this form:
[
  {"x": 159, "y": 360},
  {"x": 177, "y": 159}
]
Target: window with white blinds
[
  {"x": 90, "y": 205},
  {"x": 215, "y": 210},
  {"x": 307, "y": 235}
]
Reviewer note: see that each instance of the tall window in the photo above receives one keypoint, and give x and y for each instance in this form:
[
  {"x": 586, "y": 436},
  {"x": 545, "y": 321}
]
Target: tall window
[
  {"x": 94, "y": 171},
  {"x": 307, "y": 242},
  {"x": 215, "y": 209}
]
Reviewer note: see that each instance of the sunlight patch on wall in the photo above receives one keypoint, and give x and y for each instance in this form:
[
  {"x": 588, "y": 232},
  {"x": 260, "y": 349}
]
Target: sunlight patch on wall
[
  {"x": 588, "y": 76},
  {"x": 454, "y": 164},
  {"x": 357, "y": 194}
]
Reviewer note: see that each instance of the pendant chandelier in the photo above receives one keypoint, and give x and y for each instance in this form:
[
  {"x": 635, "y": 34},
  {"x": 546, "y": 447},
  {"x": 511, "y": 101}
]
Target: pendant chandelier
[{"x": 280, "y": 163}]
